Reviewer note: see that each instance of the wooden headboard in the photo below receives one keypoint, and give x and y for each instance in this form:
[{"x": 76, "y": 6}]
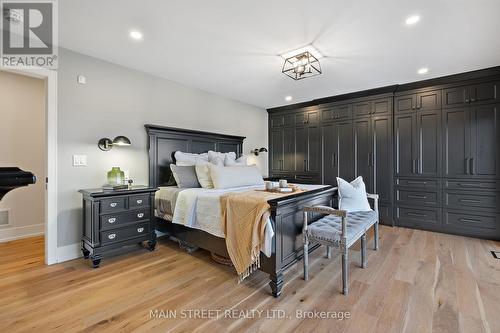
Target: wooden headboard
[{"x": 164, "y": 141}]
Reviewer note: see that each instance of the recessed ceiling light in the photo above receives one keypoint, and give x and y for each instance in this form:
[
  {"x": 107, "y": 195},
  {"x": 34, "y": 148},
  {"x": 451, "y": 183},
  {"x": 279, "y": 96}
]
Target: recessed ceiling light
[
  {"x": 309, "y": 48},
  {"x": 412, "y": 19},
  {"x": 134, "y": 34},
  {"x": 423, "y": 70},
  {"x": 288, "y": 98}
]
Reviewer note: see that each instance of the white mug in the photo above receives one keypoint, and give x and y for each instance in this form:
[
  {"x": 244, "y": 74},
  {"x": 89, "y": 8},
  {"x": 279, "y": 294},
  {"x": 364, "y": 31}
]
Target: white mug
[
  {"x": 283, "y": 183},
  {"x": 269, "y": 185}
]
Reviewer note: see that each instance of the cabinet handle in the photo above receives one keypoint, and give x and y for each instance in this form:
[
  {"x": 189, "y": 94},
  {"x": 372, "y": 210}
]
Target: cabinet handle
[
  {"x": 416, "y": 182},
  {"x": 472, "y": 167},
  {"x": 472, "y": 100},
  {"x": 411, "y": 196},
  {"x": 469, "y": 220},
  {"x": 413, "y": 169},
  {"x": 140, "y": 215},
  {"x": 112, "y": 220},
  {"x": 139, "y": 202},
  {"x": 333, "y": 160},
  {"x": 305, "y": 165},
  {"x": 466, "y": 184},
  {"x": 419, "y": 166},
  {"x": 111, "y": 236},
  {"x": 113, "y": 204},
  {"x": 416, "y": 214},
  {"x": 469, "y": 200},
  {"x": 140, "y": 229},
  {"x": 466, "y": 100},
  {"x": 467, "y": 166}
]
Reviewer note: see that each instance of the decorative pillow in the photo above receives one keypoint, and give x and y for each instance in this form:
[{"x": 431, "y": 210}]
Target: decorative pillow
[
  {"x": 185, "y": 176},
  {"x": 218, "y": 158},
  {"x": 227, "y": 177},
  {"x": 352, "y": 196},
  {"x": 186, "y": 159},
  {"x": 229, "y": 161},
  {"x": 203, "y": 174}
]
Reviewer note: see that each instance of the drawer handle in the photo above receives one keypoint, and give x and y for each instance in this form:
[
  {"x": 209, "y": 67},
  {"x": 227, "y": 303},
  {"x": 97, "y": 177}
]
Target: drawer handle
[
  {"x": 469, "y": 200},
  {"x": 111, "y": 236},
  {"x": 139, "y": 201},
  {"x": 469, "y": 220},
  {"x": 415, "y": 182},
  {"x": 416, "y": 214},
  {"x": 466, "y": 184},
  {"x": 140, "y": 229},
  {"x": 113, "y": 204},
  {"x": 140, "y": 215},
  {"x": 416, "y": 196},
  {"x": 112, "y": 220}
]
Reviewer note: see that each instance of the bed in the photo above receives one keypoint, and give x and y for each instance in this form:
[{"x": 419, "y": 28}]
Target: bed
[{"x": 284, "y": 246}]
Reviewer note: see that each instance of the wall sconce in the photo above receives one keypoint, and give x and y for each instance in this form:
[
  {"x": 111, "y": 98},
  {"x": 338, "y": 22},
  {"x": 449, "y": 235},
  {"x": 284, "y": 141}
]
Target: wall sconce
[
  {"x": 106, "y": 144},
  {"x": 257, "y": 151}
]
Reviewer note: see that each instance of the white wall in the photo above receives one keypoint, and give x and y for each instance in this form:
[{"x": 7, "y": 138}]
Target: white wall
[
  {"x": 119, "y": 101},
  {"x": 22, "y": 144}
]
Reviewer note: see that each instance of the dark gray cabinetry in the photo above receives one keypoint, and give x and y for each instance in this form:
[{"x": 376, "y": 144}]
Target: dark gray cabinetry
[
  {"x": 307, "y": 149},
  {"x": 114, "y": 219},
  {"x": 473, "y": 94},
  {"x": 338, "y": 154}
]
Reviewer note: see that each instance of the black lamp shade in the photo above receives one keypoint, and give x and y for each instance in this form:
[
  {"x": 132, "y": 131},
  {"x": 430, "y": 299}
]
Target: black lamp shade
[
  {"x": 263, "y": 150},
  {"x": 121, "y": 141}
]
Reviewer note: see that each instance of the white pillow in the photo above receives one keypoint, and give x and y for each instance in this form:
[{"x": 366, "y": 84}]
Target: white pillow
[
  {"x": 237, "y": 176},
  {"x": 203, "y": 174},
  {"x": 242, "y": 161},
  {"x": 352, "y": 197},
  {"x": 218, "y": 158},
  {"x": 187, "y": 159}
]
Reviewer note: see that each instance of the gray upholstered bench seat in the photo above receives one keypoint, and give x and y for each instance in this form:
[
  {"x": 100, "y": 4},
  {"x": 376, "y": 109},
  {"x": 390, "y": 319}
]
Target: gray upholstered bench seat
[{"x": 329, "y": 227}]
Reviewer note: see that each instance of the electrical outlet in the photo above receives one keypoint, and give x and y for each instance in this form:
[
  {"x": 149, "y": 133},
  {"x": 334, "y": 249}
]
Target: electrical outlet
[
  {"x": 81, "y": 79},
  {"x": 79, "y": 160}
]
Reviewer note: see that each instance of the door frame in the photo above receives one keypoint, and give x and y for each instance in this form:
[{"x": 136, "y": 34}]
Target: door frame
[{"x": 50, "y": 78}]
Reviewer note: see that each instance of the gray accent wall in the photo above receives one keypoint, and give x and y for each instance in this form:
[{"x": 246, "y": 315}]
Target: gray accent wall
[{"x": 119, "y": 101}]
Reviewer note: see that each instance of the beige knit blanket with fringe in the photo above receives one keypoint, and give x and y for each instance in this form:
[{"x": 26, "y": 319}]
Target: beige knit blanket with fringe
[{"x": 244, "y": 217}]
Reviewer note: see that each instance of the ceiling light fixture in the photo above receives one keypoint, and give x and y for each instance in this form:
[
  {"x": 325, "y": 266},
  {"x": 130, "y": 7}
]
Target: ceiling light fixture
[
  {"x": 301, "y": 66},
  {"x": 288, "y": 98},
  {"x": 412, "y": 19},
  {"x": 422, "y": 71},
  {"x": 137, "y": 35}
]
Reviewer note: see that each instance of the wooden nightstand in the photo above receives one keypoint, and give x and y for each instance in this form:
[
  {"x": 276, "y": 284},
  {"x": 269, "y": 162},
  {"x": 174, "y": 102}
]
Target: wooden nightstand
[{"x": 113, "y": 219}]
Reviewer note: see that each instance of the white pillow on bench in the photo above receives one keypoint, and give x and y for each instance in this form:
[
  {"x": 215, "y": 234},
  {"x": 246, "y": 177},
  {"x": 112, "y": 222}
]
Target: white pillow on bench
[{"x": 352, "y": 196}]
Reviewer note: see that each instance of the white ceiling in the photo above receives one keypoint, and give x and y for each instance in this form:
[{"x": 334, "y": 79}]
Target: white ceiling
[{"x": 232, "y": 47}]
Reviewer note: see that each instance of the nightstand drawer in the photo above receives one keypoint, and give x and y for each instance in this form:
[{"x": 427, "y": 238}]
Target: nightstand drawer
[
  {"x": 113, "y": 205},
  {"x": 112, "y": 221},
  {"x": 137, "y": 201},
  {"x": 118, "y": 235}
]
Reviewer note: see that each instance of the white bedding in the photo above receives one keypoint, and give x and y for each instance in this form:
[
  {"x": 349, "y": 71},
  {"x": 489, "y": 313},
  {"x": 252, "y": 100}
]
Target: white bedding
[{"x": 199, "y": 208}]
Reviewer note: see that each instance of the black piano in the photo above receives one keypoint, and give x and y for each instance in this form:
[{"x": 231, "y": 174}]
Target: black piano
[{"x": 12, "y": 178}]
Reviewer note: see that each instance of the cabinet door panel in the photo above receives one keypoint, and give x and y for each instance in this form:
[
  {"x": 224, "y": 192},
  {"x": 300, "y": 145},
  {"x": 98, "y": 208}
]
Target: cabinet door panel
[
  {"x": 429, "y": 144},
  {"x": 361, "y": 109},
  {"x": 484, "y": 93},
  {"x": 277, "y": 121},
  {"x": 404, "y": 137},
  {"x": 458, "y": 96},
  {"x": 381, "y": 106},
  {"x": 456, "y": 142},
  {"x": 405, "y": 103},
  {"x": 330, "y": 153},
  {"x": 382, "y": 156},
  {"x": 277, "y": 149},
  {"x": 485, "y": 146},
  {"x": 300, "y": 149},
  {"x": 363, "y": 152},
  {"x": 313, "y": 149},
  {"x": 429, "y": 100},
  {"x": 346, "y": 150},
  {"x": 288, "y": 163},
  {"x": 288, "y": 120}
]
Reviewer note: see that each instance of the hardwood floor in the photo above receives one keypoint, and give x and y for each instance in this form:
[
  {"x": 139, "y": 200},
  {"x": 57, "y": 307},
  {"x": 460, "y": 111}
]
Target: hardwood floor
[{"x": 417, "y": 282}]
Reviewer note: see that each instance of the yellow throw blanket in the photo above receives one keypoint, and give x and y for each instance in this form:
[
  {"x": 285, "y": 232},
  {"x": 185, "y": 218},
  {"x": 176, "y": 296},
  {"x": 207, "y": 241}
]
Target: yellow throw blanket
[{"x": 244, "y": 218}]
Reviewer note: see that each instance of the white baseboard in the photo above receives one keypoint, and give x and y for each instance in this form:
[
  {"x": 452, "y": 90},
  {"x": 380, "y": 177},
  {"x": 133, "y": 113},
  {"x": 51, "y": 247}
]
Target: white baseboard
[
  {"x": 13, "y": 233},
  {"x": 69, "y": 252}
]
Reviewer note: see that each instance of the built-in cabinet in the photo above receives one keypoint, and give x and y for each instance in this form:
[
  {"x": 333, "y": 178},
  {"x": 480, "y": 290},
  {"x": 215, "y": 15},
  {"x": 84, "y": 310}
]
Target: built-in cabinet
[{"x": 431, "y": 151}]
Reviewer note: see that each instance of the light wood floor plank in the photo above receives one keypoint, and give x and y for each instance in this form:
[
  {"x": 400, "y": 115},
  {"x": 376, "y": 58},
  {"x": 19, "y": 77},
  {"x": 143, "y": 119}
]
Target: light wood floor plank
[{"x": 417, "y": 282}]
